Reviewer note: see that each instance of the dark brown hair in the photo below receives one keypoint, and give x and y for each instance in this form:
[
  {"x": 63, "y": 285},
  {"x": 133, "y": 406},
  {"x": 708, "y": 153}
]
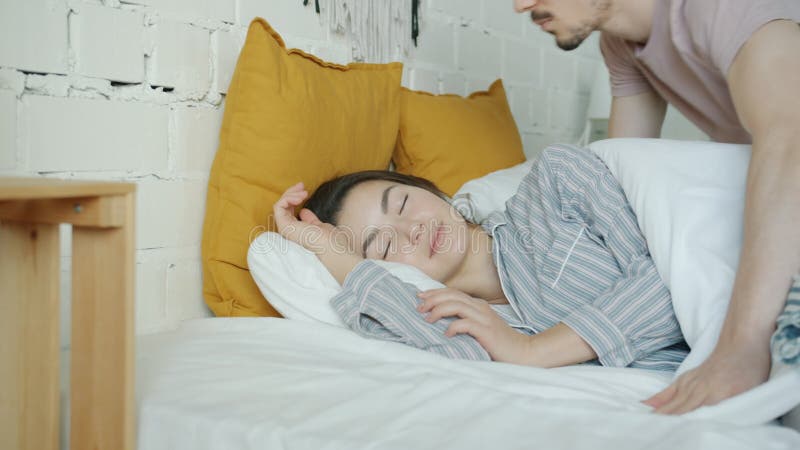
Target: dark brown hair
[{"x": 326, "y": 201}]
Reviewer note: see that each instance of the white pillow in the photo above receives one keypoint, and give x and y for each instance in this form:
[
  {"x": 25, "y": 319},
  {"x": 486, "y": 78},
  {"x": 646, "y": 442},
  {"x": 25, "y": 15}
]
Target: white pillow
[
  {"x": 689, "y": 200},
  {"x": 477, "y": 198},
  {"x": 299, "y": 286}
]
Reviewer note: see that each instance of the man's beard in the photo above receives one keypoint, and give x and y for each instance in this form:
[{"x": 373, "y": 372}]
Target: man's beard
[
  {"x": 569, "y": 44},
  {"x": 576, "y": 37},
  {"x": 535, "y": 16}
]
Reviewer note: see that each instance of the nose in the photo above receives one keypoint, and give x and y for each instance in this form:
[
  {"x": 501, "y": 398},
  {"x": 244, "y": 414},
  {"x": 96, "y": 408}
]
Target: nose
[
  {"x": 416, "y": 233},
  {"x": 521, "y": 6}
]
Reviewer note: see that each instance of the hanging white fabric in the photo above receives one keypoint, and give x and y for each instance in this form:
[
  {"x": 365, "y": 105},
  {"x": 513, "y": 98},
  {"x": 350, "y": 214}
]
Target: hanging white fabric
[{"x": 379, "y": 30}]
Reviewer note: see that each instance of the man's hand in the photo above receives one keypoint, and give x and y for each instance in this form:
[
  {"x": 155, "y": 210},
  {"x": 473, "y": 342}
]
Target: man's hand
[
  {"x": 477, "y": 319},
  {"x": 726, "y": 372}
]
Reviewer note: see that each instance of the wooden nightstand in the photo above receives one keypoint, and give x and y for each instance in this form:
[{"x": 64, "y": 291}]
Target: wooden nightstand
[{"x": 102, "y": 353}]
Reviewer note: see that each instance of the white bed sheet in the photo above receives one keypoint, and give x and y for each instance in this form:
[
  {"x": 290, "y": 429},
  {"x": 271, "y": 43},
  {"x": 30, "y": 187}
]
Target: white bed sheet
[{"x": 267, "y": 383}]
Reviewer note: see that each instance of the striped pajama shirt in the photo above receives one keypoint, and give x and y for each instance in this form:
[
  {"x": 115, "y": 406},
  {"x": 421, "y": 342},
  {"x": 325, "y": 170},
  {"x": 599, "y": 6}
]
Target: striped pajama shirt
[{"x": 567, "y": 249}]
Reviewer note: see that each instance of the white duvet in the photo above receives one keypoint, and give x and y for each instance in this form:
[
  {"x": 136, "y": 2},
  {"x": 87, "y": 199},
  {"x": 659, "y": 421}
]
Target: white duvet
[{"x": 267, "y": 383}]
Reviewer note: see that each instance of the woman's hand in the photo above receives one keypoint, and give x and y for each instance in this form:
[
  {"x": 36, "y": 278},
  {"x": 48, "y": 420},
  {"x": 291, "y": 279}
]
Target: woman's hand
[
  {"x": 479, "y": 320},
  {"x": 331, "y": 245}
]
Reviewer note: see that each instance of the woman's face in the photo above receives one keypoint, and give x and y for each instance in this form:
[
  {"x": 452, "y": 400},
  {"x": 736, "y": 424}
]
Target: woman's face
[{"x": 401, "y": 223}]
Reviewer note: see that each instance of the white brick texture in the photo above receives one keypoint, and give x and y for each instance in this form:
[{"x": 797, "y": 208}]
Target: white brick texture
[
  {"x": 108, "y": 43},
  {"x": 567, "y": 111},
  {"x": 500, "y": 16},
  {"x": 520, "y": 102},
  {"x": 522, "y": 63},
  {"x": 465, "y": 10},
  {"x": 335, "y": 53},
  {"x": 64, "y": 134},
  {"x": 479, "y": 53},
  {"x": 218, "y": 10},
  {"x": 227, "y": 45},
  {"x": 479, "y": 84},
  {"x": 587, "y": 70},
  {"x": 288, "y": 17},
  {"x": 181, "y": 58},
  {"x": 540, "y": 105},
  {"x": 8, "y": 129},
  {"x": 13, "y": 80},
  {"x": 196, "y": 137},
  {"x": 424, "y": 80},
  {"x": 150, "y": 304},
  {"x": 169, "y": 214},
  {"x": 34, "y": 36},
  {"x": 436, "y": 44},
  {"x": 454, "y": 83},
  {"x": 184, "y": 293},
  {"x": 559, "y": 70}
]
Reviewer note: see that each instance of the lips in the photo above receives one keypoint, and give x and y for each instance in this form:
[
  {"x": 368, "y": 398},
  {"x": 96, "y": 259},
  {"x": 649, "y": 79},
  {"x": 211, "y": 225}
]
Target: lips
[
  {"x": 541, "y": 17},
  {"x": 435, "y": 239}
]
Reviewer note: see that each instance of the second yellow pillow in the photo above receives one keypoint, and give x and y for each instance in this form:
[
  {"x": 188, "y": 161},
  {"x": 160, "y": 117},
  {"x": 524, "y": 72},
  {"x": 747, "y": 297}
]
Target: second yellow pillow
[{"x": 450, "y": 140}]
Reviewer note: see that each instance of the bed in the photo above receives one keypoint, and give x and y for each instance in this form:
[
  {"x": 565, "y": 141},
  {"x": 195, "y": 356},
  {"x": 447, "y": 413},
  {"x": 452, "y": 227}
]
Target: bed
[
  {"x": 255, "y": 383},
  {"x": 305, "y": 381}
]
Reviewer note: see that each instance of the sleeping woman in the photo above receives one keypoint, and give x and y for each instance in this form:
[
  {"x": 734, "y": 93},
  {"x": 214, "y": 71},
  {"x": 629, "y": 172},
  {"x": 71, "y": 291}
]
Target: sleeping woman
[{"x": 561, "y": 276}]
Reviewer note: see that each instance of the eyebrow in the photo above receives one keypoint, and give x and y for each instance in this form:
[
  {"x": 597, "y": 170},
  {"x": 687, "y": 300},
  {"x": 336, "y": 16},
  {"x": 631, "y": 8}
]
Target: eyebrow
[
  {"x": 368, "y": 241},
  {"x": 385, "y": 198},
  {"x": 384, "y": 208}
]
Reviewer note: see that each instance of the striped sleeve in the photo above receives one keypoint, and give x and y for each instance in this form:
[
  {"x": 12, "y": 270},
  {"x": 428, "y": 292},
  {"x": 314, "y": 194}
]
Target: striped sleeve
[
  {"x": 634, "y": 316},
  {"x": 631, "y": 320},
  {"x": 376, "y": 304}
]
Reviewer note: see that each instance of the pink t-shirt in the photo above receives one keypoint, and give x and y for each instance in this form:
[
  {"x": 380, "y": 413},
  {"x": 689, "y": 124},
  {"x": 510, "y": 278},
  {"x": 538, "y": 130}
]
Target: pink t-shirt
[{"x": 691, "y": 47}]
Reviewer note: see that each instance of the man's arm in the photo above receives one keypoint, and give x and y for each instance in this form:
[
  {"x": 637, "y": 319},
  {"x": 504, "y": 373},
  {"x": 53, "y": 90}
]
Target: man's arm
[
  {"x": 764, "y": 81},
  {"x": 639, "y": 115}
]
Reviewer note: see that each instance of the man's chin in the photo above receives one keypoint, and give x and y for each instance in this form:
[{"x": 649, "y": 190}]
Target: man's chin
[{"x": 568, "y": 45}]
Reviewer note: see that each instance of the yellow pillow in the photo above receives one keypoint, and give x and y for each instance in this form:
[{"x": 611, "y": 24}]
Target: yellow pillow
[
  {"x": 289, "y": 117},
  {"x": 450, "y": 140}
]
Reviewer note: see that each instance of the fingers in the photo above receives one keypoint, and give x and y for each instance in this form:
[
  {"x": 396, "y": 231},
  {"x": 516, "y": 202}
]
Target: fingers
[
  {"x": 433, "y": 297},
  {"x": 283, "y": 210},
  {"x": 683, "y": 395},
  {"x": 683, "y": 403},
  {"x": 662, "y": 397},
  {"x": 465, "y": 326},
  {"x": 453, "y": 308},
  {"x": 308, "y": 216},
  {"x": 293, "y": 198},
  {"x": 299, "y": 186}
]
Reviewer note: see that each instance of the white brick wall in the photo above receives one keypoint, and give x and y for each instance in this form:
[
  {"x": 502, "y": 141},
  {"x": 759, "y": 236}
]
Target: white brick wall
[
  {"x": 76, "y": 134},
  {"x": 34, "y": 35},
  {"x": 180, "y": 58},
  {"x": 8, "y": 129},
  {"x": 134, "y": 90},
  {"x": 466, "y": 11},
  {"x": 195, "y": 138},
  {"x": 227, "y": 44},
  {"x": 479, "y": 53},
  {"x": 192, "y": 10},
  {"x": 108, "y": 43},
  {"x": 289, "y": 17}
]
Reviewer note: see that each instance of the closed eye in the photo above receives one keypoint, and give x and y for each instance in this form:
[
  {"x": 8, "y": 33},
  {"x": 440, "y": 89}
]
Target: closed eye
[{"x": 403, "y": 205}]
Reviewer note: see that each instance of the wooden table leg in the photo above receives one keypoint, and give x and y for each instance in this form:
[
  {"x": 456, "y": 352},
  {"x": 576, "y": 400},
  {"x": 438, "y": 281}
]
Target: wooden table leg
[
  {"x": 29, "y": 336},
  {"x": 102, "y": 402}
]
